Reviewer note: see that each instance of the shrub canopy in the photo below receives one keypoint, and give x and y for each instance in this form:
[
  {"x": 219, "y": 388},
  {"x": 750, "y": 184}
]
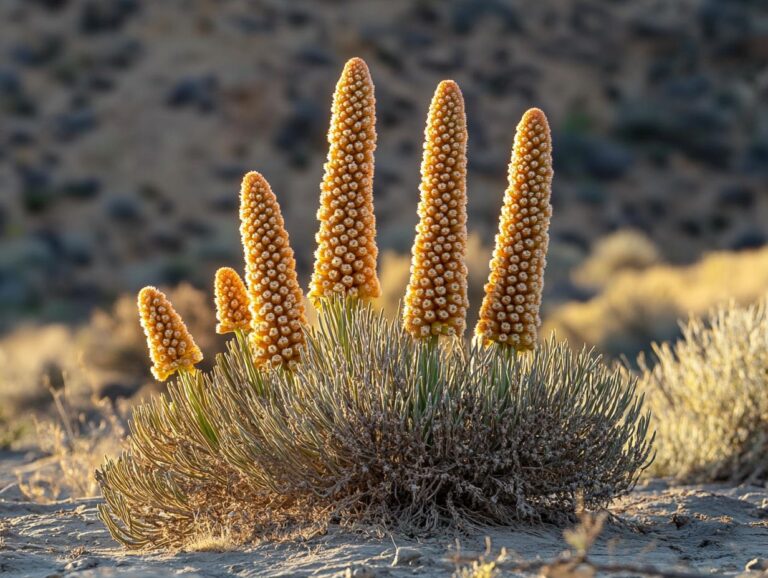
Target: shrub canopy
[{"x": 375, "y": 427}]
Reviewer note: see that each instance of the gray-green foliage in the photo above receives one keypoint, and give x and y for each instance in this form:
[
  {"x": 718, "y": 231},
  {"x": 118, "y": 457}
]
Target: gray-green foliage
[
  {"x": 709, "y": 396},
  {"x": 374, "y": 427}
]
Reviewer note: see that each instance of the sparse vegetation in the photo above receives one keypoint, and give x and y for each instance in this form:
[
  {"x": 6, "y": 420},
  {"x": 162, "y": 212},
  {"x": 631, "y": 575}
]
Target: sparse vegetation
[
  {"x": 328, "y": 438},
  {"x": 709, "y": 396},
  {"x": 74, "y": 445},
  {"x": 624, "y": 251},
  {"x": 640, "y": 307},
  {"x": 360, "y": 420}
]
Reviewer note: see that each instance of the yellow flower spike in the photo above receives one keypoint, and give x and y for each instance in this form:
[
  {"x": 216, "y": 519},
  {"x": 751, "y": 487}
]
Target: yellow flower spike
[
  {"x": 510, "y": 310},
  {"x": 171, "y": 347},
  {"x": 436, "y": 299},
  {"x": 345, "y": 259},
  {"x": 231, "y": 302},
  {"x": 275, "y": 299}
]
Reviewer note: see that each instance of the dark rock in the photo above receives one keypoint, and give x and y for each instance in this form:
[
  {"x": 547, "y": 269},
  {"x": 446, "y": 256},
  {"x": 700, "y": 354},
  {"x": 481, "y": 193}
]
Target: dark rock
[
  {"x": 225, "y": 203},
  {"x": 314, "y": 55},
  {"x": 73, "y": 124},
  {"x": 591, "y": 194},
  {"x": 52, "y": 5},
  {"x": 123, "y": 54},
  {"x": 195, "y": 227},
  {"x": 756, "y": 157},
  {"x": 697, "y": 129},
  {"x": 691, "y": 227},
  {"x": 255, "y": 23},
  {"x": 297, "y": 134},
  {"x": 751, "y": 239},
  {"x": 126, "y": 210},
  {"x": 739, "y": 196},
  {"x": 10, "y": 83},
  {"x": 297, "y": 17},
  {"x": 37, "y": 191},
  {"x": 14, "y": 293},
  {"x": 726, "y": 27},
  {"x": 97, "y": 16},
  {"x": 425, "y": 13},
  {"x": 574, "y": 238},
  {"x": 77, "y": 249},
  {"x": 467, "y": 13},
  {"x": 489, "y": 162},
  {"x": 168, "y": 241},
  {"x": 687, "y": 87},
  {"x": 37, "y": 50},
  {"x": 650, "y": 26},
  {"x": 412, "y": 39},
  {"x": 196, "y": 91},
  {"x": 176, "y": 271},
  {"x": 657, "y": 208},
  {"x": 718, "y": 223},
  {"x": 587, "y": 155},
  {"x": 81, "y": 189},
  {"x": 20, "y": 105},
  {"x": 232, "y": 173},
  {"x": 99, "y": 83},
  {"x": 21, "y": 137},
  {"x": 392, "y": 108}
]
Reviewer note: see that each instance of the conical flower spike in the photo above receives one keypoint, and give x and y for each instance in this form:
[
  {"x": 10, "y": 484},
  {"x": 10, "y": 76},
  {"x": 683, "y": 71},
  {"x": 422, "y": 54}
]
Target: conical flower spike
[
  {"x": 510, "y": 309},
  {"x": 436, "y": 299},
  {"x": 345, "y": 260},
  {"x": 171, "y": 347},
  {"x": 274, "y": 295},
  {"x": 231, "y": 302}
]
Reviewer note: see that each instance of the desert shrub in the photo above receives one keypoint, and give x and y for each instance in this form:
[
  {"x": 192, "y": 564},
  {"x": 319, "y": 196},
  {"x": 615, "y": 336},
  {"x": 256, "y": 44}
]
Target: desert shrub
[
  {"x": 375, "y": 427},
  {"x": 622, "y": 251},
  {"x": 637, "y": 308},
  {"x": 709, "y": 396},
  {"x": 74, "y": 445}
]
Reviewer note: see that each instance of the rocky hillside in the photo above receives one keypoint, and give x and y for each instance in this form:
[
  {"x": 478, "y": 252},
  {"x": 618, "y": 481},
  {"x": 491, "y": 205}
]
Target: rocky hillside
[{"x": 125, "y": 126}]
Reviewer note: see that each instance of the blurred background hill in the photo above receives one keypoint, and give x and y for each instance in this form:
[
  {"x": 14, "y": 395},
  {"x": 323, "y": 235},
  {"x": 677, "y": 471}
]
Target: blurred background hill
[{"x": 126, "y": 125}]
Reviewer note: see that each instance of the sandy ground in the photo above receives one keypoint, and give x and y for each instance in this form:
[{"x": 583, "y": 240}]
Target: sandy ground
[{"x": 705, "y": 529}]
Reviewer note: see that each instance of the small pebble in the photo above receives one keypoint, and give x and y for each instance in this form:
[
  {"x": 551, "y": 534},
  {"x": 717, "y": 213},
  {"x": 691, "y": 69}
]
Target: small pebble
[{"x": 406, "y": 556}]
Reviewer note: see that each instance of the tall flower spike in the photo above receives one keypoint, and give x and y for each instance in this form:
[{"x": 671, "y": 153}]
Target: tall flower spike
[
  {"x": 436, "y": 299},
  {"x": 171, "y": 346},
  {"x": 274, "y": 295},
  {"x": 345, "y": 260},
  {"x": 510, "y": 309},
  {"x": 231, "y": 302}
]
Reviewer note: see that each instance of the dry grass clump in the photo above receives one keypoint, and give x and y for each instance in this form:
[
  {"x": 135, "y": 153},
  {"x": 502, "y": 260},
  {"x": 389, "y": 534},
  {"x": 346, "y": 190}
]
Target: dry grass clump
[
  {"x": 331, "y": 435},
  {"x": 709, "y": 396},
  {"x": 74, "y": 445},
  {"x": 637, "y": 308},
  {"x": 619, "y": 252}
]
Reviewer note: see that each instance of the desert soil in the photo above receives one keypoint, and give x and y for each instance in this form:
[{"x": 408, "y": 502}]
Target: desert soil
[{"x": 706, "y": 529}]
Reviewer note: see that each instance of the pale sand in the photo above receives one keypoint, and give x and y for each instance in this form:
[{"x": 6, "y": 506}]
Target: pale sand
[{"x": 707, "y": 529}]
